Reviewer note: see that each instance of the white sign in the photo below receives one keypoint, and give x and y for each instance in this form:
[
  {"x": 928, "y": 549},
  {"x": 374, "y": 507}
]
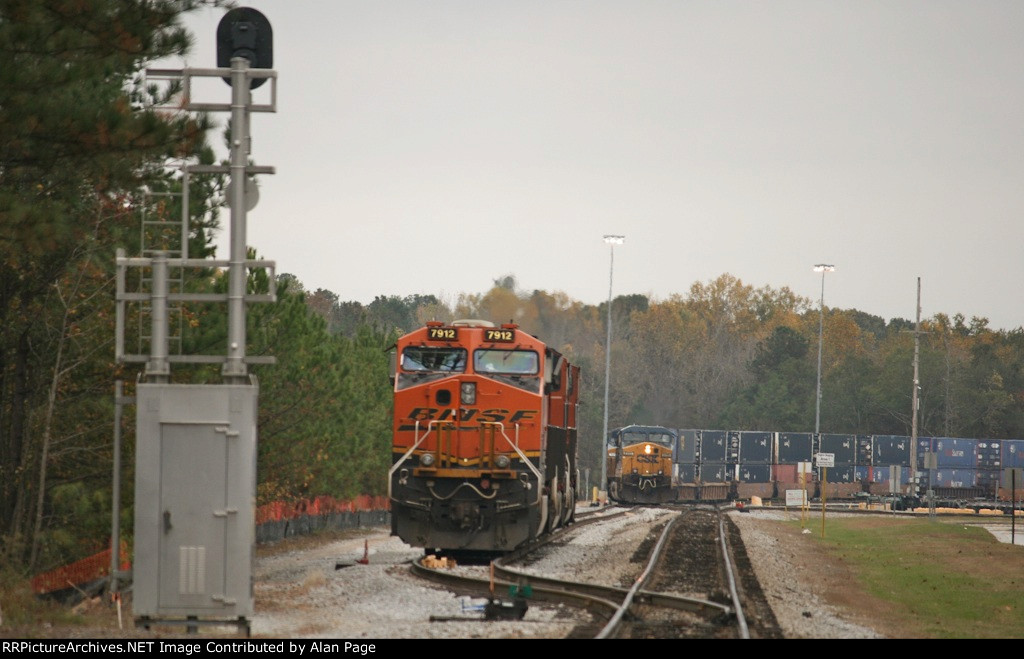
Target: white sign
[
  {"x": 796, "y": 497},
  {"x": 826, "y": 459}
]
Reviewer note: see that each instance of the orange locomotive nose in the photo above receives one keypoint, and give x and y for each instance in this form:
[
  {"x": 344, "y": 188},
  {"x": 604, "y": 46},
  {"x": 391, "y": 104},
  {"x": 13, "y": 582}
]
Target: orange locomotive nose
[{"x": 483, "y": 432}]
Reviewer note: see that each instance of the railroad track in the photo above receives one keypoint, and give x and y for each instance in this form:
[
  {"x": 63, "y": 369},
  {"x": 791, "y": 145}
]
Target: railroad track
[{"x": 706, "y": 599}]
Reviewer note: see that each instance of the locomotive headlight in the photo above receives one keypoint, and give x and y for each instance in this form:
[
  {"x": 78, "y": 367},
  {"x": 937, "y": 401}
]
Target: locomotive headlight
[
  {"x": 468, "y": 393},
  {"x": 502, "y": 461},
  {"x": 427, "y": 459},
  {"x": 647, "y": 449}
]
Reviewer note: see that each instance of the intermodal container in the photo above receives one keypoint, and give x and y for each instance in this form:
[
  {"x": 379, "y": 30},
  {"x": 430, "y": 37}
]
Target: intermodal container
[
  {"x": 864, "y": 450},
  {"x": 791, "y": 474},
  {"x": 884, "y": 474},
  {"x": 685, "y": 473},
  {"x": 952, "y": 453},
  {"x": 712, "y": 446},
  {"x": 924, "y": 445},
  {"x": 785, "y": 473},
  {"x": 715, "y": 473},
  {"x": 891, "y": 450},
  {"x": 838, "y": 474},
  {"x": 686, "y": 451},
  {"x": 795, "y": 447},
  {"x": 752, "y": 473},
  {"x": 755, "y": 448},
  {"x": 990, "y": 478},
  {"x": 989, "y": 453},
  {"x": 732, "y": 447},
  {"x": 1013, "y": 453},
  {"x": 948, "y": 477},
  {"x": 843, "y": 447}
]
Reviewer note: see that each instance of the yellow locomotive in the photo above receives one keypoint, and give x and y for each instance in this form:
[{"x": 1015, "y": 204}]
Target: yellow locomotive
[{"x": 640, "y": 464}]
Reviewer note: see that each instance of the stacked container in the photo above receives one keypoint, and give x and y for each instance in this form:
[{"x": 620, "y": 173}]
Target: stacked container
[
  {"x": 888, "y": 451},
  {"x": 713, "y": 450},
  {"x": 1012, "y": 457},
  {"x": 793, "y": 448},
  {"x": 841, "y": 479},
  {"x": 988, "y": 463},
  {"x": 756, "y": 454},
  {"x": 956, "y": 473},
  {"x": 684, "y": 468}
]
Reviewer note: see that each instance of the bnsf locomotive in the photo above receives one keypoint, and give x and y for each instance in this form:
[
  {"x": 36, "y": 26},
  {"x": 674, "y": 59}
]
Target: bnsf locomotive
[
  {"x": 640, "y": 464},
  {"x": 484, "y": 438}
]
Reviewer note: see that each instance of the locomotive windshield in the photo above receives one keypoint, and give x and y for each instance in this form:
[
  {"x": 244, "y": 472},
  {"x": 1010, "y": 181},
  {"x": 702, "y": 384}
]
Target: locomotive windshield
[
  {"x": 633, "y": 437},
  {"x": 444, "y": 360},
  {"x": 511, "y": 362}
]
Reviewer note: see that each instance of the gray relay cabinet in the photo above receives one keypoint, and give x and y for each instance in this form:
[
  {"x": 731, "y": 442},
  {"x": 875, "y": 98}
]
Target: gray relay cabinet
[{"x": 194, "y": 512}]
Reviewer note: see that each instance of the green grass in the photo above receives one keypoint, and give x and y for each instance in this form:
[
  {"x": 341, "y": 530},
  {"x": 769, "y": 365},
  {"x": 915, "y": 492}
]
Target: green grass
[
  {"x": 945, "y": 579},
  {"x": 20, "y": 609}
]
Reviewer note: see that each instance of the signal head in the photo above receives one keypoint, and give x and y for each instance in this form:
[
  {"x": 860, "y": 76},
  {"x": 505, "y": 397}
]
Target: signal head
[{"x": 245, "y": 32}]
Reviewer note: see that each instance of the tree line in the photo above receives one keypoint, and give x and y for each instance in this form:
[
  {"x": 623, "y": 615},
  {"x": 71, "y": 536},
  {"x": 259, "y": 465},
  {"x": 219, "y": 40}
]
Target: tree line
[
  {"x": 726, "y": 355},
  {"x": 90, "y": 152}
]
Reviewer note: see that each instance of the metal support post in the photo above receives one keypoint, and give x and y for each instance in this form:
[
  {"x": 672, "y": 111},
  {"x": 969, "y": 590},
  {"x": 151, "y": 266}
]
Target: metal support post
[
  {"x": 115, "y": 517},
  {"x": 234, "y": 368},
  {"x": 158, "y": 368}
]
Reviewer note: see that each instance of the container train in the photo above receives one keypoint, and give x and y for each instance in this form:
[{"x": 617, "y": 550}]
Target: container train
[
  {"x": 484, "y": 448},
  {"x": 718, "y": 465}
]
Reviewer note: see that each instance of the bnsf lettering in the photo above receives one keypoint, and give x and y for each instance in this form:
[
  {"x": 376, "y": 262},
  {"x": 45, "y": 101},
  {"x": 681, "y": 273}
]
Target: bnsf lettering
[{"x": 470, "y": 414}]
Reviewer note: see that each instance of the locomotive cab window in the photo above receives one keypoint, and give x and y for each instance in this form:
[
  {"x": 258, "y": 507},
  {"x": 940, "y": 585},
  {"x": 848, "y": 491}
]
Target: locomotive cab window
[
  {"x": 633, "y": 437},
  {"x": 653, "y": 437},
  {"x": 664, "y": 439},
  {"x": 443, "y": 360},
  {"x": 507, "y": 362}
]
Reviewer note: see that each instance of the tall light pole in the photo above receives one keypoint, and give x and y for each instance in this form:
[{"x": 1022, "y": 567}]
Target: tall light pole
[
  {"x": 612, "y": 241},
  {"x": 822, "y": 268},
  {"x": 915, "y": 401}
]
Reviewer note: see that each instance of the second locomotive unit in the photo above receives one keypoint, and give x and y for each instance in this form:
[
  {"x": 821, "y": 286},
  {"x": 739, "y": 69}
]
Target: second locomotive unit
[
  {"x": 484, "y": 438},
  {"x": 640, "y": 464}
]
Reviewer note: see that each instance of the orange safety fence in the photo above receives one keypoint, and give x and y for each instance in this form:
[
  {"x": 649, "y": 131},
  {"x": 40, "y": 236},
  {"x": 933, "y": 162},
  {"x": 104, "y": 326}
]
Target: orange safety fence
[
  {"x": 80, "y": 572},
  {"x": 98, "y": 565},
  {"x": 322, "y": 505}
]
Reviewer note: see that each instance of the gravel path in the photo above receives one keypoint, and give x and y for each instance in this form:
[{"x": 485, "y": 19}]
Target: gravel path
[{"x": 323, "y": 591}]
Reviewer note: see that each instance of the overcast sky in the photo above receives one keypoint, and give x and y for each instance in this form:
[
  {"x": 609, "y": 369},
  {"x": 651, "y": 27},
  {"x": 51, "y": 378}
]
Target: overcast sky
[{"x": 434, "y": 146}]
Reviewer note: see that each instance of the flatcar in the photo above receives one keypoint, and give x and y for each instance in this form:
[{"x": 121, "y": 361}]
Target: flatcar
[
  {"x": 639, "y": 464},
  {"x": 484, "y": 449}
]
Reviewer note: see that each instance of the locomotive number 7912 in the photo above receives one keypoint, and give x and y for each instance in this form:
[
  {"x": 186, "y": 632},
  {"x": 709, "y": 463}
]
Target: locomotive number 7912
[
  {"x": 443, "y": 334},
  {"x": 499, "y": 335}
]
